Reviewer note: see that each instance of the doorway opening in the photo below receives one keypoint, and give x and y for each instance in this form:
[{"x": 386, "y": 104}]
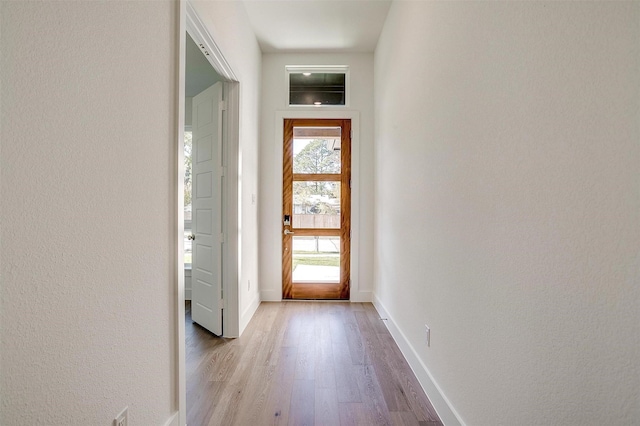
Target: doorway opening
[
  {"x": 316, "y": 223},
  {"x": 200, "y": 76},
  {"x": 220, "y": 154}
]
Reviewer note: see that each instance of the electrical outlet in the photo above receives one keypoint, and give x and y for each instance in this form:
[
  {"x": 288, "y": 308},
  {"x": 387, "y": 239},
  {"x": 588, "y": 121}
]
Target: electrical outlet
[
  {"x": 122, "y": 418},
  {"x": 428, "y": 330}
]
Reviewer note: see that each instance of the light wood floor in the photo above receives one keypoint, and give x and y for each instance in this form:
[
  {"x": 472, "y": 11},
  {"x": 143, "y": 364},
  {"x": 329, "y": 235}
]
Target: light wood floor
[{"x": 303, "y": 363}]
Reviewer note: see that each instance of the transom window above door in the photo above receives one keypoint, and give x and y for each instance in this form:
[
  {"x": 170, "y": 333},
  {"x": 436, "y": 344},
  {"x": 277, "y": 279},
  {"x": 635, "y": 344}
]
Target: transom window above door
[{"x": 319, "y": 86}]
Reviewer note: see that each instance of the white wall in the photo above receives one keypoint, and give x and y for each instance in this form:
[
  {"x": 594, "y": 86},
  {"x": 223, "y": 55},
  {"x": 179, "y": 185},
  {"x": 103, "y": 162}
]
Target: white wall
[
  {"x": 229, "y": 26},
  {"x": 508, "y": 204},
  {"x": 88, "y": 163},
  {"x": 274, "y": 100}
]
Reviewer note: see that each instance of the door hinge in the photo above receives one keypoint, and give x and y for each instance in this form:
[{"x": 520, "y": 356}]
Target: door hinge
[
  {"x": 222, "y": 106},
  {"x": 223, "y": 170},
  {"x": 222, "y": 237},
  {"x": 351, "y": 133},
  {"x": 221, "y": 303}
]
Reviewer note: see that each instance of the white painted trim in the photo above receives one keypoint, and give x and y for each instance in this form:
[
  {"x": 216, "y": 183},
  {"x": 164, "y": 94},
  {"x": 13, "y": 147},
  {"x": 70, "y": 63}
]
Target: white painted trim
[
  {"x": 271, "y": 295},
  {"x": 361, "y": 296},
  {"x": 445, "y": 410},
  {"x": 354, "y": 116},
  {"x": 199, "y": 33},
  {"x": 249, "y": 311},
  {"x": 231, "y": 201},
  {"x": 178, "y": 186},
  {"x": 174, "y": 420}
]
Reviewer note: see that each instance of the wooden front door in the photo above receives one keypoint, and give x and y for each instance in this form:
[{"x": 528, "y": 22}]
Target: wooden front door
[{"x": 316, "y": 209}]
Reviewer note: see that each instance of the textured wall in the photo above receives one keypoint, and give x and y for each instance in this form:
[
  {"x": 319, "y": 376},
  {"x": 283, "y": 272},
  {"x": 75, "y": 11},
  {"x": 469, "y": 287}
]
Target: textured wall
[
  {"x": 508, "y": 204},
  {"x": 87, "y": 156},
  {"x": 275, "y": 98},
  {"x": 228, "y": 24}
]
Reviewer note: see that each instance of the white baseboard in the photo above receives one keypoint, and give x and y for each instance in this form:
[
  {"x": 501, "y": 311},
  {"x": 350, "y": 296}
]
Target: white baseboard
[
  {"x": 442, "y": 405},
  {"x": 174, "y": 420},
  {"x": 271, "y": 295},
  {"x": 360, "y": 296},
  {"x": 247, "y": 314},
  {"x": 276, "y": 296}
]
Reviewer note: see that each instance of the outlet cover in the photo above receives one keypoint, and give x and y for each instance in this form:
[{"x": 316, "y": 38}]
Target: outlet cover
[{"x": 122, "y": 418}]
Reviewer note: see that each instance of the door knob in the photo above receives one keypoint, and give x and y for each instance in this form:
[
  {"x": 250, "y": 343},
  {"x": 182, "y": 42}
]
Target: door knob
[{"x": 191, "y": 237}]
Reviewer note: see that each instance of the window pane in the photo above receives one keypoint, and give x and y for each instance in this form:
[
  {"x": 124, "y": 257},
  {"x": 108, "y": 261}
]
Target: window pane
[
  {"x": 187, "y": 247},
  {"x": 187, "y": 196},
  {"x": 316, "y": 204},
  {"x": 316, "y": 150},
  {"x": 316, "y": 259},
  {"x": 317, "y": 88},
  {"x": 187, "y": 175}
]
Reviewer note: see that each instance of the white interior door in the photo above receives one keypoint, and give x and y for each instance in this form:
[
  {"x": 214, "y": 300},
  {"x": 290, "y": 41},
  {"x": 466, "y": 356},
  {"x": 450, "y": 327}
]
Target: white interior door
[{"x": 206, "y": 280}]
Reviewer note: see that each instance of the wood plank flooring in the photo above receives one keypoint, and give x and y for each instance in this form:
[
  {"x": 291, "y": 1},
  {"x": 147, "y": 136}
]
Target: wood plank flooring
[{"x": 303, "y": 363}]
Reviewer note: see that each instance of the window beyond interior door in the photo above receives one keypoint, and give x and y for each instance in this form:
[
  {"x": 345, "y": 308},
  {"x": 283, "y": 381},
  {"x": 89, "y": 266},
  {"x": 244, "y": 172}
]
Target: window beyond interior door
[{"x": 188, "y": 184}]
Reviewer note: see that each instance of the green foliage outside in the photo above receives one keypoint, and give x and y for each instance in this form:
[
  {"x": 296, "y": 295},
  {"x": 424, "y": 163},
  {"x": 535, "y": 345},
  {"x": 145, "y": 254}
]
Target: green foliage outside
[
  {"x": 315, "y": 157},
  {"x": 317, "y": 197},
  {"x": 315, "y": 260},
  {"x": 314, "y": 197}
]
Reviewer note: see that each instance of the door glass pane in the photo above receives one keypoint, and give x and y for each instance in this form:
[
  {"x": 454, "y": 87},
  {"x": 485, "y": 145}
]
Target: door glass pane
[
  {"x": 316, "y": 150},
  {"x": 316, "y": 259},
  {"x": 316, "y": 204}
]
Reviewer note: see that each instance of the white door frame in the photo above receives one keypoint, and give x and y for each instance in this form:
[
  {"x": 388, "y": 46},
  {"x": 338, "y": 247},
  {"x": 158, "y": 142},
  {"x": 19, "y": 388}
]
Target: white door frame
[{"x": 191, "y": 23}]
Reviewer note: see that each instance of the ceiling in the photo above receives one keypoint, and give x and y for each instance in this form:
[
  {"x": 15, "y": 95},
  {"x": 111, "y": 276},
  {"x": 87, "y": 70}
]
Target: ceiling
[
  {"x": 305, "y": 26},
  {"x": 299, "y": 26},
  {"x": 199, "y": 72}
]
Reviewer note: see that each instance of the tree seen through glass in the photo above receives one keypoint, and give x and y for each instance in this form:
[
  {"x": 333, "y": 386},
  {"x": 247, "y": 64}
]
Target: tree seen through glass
[
  {"x": 316, "y": 197},
  {"x": 316, "y": 157}
]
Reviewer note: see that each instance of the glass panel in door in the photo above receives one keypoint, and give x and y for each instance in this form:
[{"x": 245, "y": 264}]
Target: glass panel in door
[
  {"x": 316, "y": 259},
  {"x": 316, "y": 204}
]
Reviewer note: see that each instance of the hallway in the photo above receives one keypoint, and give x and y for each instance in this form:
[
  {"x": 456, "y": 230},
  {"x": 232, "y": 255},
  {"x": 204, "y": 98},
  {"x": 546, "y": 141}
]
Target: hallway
[{"x": 303, "y": 363}]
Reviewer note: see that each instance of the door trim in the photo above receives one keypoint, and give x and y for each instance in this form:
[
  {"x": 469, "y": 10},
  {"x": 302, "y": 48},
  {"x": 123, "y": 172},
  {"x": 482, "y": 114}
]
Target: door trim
[
  {"x": 275, "y": 228},
  {"x": 199, "y": 33}
]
